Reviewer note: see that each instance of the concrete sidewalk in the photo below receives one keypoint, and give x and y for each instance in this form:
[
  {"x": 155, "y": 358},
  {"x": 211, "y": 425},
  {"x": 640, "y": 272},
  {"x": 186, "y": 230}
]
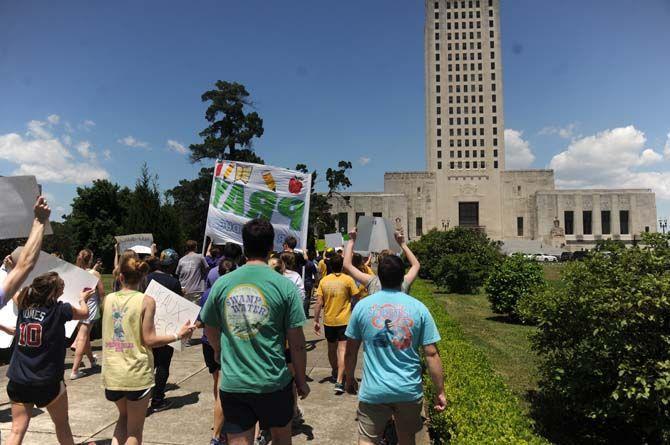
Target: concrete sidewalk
[{"x": 329, "y": 419}]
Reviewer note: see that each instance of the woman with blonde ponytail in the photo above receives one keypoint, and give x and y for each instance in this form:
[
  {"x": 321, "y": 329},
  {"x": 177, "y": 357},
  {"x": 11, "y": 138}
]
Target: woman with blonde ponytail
[
  {"x": 38, "y": 362},
  {"x": 83, "y": 340},
  {"x": 128, "y": 335}
]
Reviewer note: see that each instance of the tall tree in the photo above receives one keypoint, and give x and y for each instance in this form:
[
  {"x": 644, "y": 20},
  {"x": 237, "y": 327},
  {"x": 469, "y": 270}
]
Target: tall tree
[{"x": 229, "y": 136}]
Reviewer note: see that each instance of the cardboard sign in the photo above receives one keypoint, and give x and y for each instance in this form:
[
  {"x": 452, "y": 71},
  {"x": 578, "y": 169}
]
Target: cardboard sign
[
  {"x": 8, "y": 316},
  {"x": 144, "y": 240},
  {"x": 172, "y": 311},
  {"x": 242, "y": 191},
  {"x": 76, "y": 280},
  {"x": 374, "y": 235},
  {"x": 334, "y": 240},
  {"x": 17, "y": 199}
]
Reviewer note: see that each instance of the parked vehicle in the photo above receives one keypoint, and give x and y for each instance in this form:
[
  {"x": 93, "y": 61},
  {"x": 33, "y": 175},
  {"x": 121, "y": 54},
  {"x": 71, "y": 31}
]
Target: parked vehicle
[
  {"x": 579, "y": 255},
  {"x": 543, "y": 258},
  {"x": 566, "y": 256}
]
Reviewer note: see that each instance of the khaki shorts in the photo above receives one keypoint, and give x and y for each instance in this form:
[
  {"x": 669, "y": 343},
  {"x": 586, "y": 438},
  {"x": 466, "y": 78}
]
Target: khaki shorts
[{"x": 373, "y": 418}]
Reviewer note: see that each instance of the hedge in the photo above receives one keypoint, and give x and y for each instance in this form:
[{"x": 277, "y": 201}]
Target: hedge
[{"x": 481, "y": 409}]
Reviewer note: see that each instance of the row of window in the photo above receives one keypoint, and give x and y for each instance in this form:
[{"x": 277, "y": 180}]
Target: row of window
[
  {"x": 605, "y": 222},
  {"x": 464, "y": 44},
  {"x": 466, "y": 131},
  {"x": 458, "y": 46},
  {"x": 473, "y": 88},
  {"x": 467, "y": 99},
  {"x": 464, "y": 66},
  {"x": 466, "y": 143},
  {"x": 466, "y": 165},
  {"x": 457, "y": 56},
  {"x": 465, "y": 111},
  {"x": 469, "y": 4},
  {"x": 467, "y": 153},
  {"x": 467, "y": 36},
  {"x": 466, "y": 120},
  {"x": 450, "y": 78},
  {"x": 463, "y": 25}
]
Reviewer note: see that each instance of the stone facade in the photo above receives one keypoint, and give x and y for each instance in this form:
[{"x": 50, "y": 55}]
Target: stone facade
[{"x": 466, "y": 183}]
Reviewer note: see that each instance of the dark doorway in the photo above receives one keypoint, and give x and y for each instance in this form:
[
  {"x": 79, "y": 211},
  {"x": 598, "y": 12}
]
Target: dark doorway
[{"x": 468, "y": 214}]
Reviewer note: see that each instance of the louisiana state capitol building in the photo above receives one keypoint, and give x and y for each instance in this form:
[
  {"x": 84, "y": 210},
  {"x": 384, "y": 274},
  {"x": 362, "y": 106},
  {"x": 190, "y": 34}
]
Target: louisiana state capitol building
[{"x": 465, "y": 182}]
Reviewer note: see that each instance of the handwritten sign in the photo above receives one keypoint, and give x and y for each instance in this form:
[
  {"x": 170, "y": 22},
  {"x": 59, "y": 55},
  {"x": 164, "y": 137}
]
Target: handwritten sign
[
  {"x": 172, "y": 311},
  {"x": 242, "y": 191},
  {"x": 17, "y": 198},
  {"x": 139, "y": 239},
  {"x": 334, "y": 240},
  {"x": 75, "y": 279},
  {"x": 8, "y": 315}
]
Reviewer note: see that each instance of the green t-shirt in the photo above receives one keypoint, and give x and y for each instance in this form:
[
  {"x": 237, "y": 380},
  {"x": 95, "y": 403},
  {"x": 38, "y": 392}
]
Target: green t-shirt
[{"x": 253, "y": 306}]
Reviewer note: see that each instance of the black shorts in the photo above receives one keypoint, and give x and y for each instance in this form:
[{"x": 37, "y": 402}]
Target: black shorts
[
  {"x": 131, "y": 396},
  {"x": 38, "y": 395},
  {"x": 287, "y": 356},
  {"x": 335, "y": 333},
  {"x": 243, "y": 410},
  {"x": 210, "y": 361}
]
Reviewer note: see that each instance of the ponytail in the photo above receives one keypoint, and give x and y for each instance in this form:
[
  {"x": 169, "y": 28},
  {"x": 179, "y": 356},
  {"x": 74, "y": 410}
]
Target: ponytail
[{"x": 133, "y": 270}]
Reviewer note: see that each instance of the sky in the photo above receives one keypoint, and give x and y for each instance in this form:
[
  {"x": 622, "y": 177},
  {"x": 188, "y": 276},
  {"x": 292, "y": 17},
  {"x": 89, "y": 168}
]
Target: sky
[{"x": 93, "y": 89}]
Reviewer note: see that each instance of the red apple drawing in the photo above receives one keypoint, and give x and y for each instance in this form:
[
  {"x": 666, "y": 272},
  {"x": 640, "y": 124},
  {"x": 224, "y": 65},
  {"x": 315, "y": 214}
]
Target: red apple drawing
[{"x": 294, "y": 185}]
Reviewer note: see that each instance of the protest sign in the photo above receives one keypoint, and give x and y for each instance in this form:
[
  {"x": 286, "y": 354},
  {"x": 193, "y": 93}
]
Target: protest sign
[
  {"x": 76, "y": 280},
  {"x": 17, "y": 199},
  {"x": 172, "y": 311},
  {"x": 141, "y": 240},
  {"x": 334, "y": 240},
  {"x": 8, "y": 316},
  {"x": 243, "y": 191},
  {"x": 374, "y": 235}
]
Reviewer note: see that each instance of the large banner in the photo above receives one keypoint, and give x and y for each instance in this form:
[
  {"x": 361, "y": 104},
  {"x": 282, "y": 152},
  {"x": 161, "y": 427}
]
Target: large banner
[
  {"x": 17, "y": 198},
  {"x": 242, "y": 191}
]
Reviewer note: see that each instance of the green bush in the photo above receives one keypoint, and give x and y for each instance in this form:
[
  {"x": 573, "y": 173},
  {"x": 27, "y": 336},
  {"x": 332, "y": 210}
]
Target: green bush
[
  {"x": 512, "y": 280},
  {"x": 458, "y": 260},
  {"x": 480, "y": 409},
  {"x": 604, "y": 348}
]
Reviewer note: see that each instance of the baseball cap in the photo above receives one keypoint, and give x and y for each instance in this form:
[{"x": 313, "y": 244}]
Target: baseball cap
[{"x": 169, "y": 257}]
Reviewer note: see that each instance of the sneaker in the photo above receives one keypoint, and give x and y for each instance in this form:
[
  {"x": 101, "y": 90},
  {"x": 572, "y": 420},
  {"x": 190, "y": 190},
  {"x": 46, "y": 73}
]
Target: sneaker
[
  {"x": 333, "y": 377},
  {"x": 160, "y": 406},
  {"x": 339, "y": 388},
  {"x": 219, "y": 441},
  {"x": 77, "y": 375}
]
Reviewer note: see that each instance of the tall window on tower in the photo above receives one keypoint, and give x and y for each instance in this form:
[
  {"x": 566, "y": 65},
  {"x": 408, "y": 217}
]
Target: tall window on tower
[
  {"x": 419, "y": 226},
  {"x": 569, "y": 222},
  {"x": 587, "y": 220},
  {"x": 624, "y": 222},
  {"x": 606, "y": 222},
  {"x": 519, "y": 226}
]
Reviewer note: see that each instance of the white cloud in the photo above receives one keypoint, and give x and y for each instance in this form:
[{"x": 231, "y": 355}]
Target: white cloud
[
  {"x": 666, "y": 150},
  {"x": 67, "y": 139},
  {"x": 130, "y": 141},
  {"x": 611, "y": 159},
  {"x": 518, "y": 154},
  {"x": 107, "y": 154},
  {"x": 48, "y": 159},
  {"x": 88, "y": 123},
  {"x": 38, "y": 129},
  {"x": 364, "y": 160},
  {"x": 176, "y": 146},
  {"x": 565, "y": 132},
  {"x": 84, "y": 149},
  {"x": 53, "y": 119}
]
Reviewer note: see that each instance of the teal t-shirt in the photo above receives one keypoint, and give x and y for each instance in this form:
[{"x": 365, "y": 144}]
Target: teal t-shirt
[
  {"x": 392, "y": 327},
  {"x": 253, "y": 306}
]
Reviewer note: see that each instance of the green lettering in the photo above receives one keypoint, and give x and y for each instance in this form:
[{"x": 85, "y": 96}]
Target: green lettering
[
  {"x": 261, "y": 205},
  {"x": 292, "y": 208},
  {"x": 235, "y": 200},
  {"x": 220, "y": 188}
]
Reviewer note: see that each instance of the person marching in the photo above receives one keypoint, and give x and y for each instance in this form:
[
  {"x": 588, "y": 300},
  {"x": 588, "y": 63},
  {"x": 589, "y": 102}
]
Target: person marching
[
  {"x": 128, "y": 334},
  {"x": 336, "y": 294},
  {"x": 36, "y": 369}
]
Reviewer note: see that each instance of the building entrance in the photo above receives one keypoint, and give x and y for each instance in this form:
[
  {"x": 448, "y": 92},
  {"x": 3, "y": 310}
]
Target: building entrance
[{"x": 468, "y": 214}]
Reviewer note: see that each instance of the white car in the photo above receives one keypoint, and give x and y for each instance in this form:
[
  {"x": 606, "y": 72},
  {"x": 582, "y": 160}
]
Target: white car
[{"x": 546, "y": 258}]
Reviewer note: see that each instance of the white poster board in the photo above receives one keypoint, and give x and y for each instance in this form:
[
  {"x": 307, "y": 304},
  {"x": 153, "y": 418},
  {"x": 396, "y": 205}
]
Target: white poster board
[
  {"x": 374, "y": 235},
  {"x": 17, "y": 199},
  {"x": 334, "y": 240},
  {"x": 172, "y": 311},
  {"x": 138, "y": 239},
  {"x": 76, "y": 280},
  {"x": 242, "y": 191}
]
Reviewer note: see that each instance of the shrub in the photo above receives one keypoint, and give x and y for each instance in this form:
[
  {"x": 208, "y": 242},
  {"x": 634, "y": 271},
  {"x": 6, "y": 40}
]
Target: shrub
[
  {"x": 604, "y": 348},
  {"x": 511, "y": 280},
  {"x": 458, "y": 260},
  {"x": 480, "y": 408}
]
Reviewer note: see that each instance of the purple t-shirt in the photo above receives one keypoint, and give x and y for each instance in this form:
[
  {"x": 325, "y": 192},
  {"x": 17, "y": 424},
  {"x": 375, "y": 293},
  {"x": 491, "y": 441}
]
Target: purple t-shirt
[{"x": 212, "y": 276}]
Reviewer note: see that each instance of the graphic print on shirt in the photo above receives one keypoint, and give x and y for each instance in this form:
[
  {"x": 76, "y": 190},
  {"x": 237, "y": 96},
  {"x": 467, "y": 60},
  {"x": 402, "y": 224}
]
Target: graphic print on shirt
[
  {"x": 30, "y": 330},
  {"x": 118, "y": 342},
  {"x": 394, "y": 325},
  {"x": 246, "y": 311}
]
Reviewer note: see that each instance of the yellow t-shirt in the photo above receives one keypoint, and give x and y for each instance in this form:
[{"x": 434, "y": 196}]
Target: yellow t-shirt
[
  {"x": 323, "y": 269},
  {"x": 336, "y": 291}
]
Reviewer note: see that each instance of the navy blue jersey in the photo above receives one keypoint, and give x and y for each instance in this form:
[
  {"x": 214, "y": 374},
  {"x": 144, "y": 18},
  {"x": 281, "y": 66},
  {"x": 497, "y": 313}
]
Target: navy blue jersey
[{"x": 39, "y": 351}]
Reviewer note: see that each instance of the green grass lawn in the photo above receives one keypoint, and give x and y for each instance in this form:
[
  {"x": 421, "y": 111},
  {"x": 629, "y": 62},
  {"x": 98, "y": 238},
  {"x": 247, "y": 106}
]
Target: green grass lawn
[{"x": 505, "y": 344}]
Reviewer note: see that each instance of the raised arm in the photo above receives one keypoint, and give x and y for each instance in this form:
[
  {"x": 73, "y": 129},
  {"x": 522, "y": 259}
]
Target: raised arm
[
  {"x": 436, "y": 375},
  {"x": 415, "y": 266},
  {"x": 149, "y": 336},
  {"x": 349, "y": 268},
  {"x": 30, "y": 252}
]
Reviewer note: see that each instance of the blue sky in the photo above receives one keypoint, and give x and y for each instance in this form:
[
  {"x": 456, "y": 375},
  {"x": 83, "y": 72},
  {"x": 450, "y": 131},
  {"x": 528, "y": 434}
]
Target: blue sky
[{"x": 586, "y": 87}]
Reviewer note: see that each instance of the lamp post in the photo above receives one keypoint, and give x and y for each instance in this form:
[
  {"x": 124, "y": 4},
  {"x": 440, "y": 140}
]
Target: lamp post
[{"x": 663, "y": 223}]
